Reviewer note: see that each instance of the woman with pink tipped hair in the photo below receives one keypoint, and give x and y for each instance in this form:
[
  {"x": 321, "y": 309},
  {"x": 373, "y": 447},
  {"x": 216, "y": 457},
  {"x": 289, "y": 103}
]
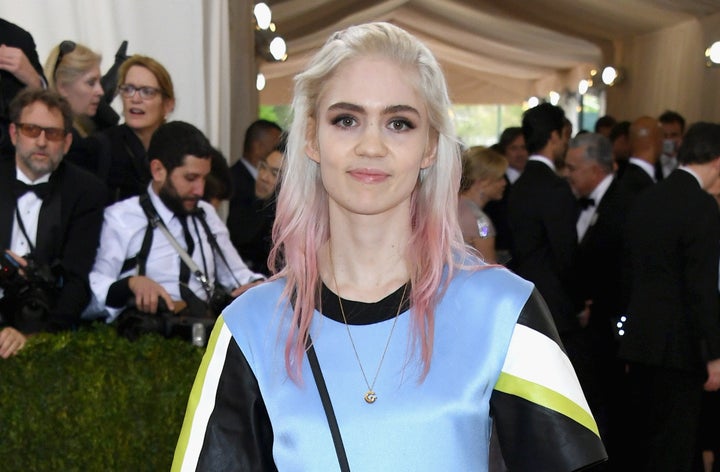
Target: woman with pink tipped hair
[{"x": 381, "y": 343}]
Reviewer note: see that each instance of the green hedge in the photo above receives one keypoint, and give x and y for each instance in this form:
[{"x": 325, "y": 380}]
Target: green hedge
[{"x": 89, "y": 401}]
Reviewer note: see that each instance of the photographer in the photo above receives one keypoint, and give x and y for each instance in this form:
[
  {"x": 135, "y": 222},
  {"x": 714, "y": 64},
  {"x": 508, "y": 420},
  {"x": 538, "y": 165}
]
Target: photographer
[
  {"x": 140, "y": 270},
  {"x": 50, "y": 219}
]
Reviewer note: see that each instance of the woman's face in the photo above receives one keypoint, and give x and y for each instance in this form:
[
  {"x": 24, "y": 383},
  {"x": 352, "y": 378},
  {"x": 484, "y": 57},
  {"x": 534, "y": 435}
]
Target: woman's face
[
  {"x": 371, "y": 137},
  {"x": 268, "y": 172},
  {"x": 493, "y": 188},
  {"x": 144, "y": 114},
  {"x": 84, "y": 93}
]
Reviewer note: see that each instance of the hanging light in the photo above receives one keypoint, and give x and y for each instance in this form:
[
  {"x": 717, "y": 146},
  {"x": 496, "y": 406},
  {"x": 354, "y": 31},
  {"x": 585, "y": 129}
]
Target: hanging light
[
  {"x": 260, "y": 82},
  {"x": 609, "y": 75},
  {"x": 554, "y": 97},
  {"x": 263, "y": 15},
  {"x": 278, "y": 48},
  {"x": 712, "y": 55},
  {"x": 583, "y": 86},
  {"x": 533, "y": 102}
]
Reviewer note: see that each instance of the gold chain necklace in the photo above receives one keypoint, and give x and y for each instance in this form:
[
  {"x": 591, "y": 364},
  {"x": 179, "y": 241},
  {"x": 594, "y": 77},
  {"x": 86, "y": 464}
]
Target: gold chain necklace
[{"x": 370, "y": 395}]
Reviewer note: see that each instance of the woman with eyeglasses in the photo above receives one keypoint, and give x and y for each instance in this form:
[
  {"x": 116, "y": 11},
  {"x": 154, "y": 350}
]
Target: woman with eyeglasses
[
  {"x": 148, "y": 97},
  {"x": 73, "y": 70}
]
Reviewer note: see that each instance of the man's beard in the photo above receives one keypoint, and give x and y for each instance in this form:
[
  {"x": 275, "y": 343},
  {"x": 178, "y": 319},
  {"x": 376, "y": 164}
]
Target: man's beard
[{"x": 170, "y": 197}]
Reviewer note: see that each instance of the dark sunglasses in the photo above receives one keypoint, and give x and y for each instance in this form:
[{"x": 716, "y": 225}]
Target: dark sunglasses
[
  {"x": 66, "y": 47},
  {"x": 33, "y": 131}
]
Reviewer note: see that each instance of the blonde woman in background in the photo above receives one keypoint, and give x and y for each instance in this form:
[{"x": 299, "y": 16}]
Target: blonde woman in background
[
  {"x": 73, "y": 70},
  {"x": 483, "y": 180}
]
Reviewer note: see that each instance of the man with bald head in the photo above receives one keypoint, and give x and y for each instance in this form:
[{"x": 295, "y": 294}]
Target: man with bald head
[{"x": 645, "y": 148}]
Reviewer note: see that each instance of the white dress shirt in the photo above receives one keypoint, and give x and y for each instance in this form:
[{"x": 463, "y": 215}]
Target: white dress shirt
[
  {"x": 589, "y": 215},
  {"x": 512, "y": 174},
  {"x": 251, "y": 168},
  {"x": 544, "y": 160},
  {"x": 121, "y": 238},
  {"x": 644, "y": 165},
  {"x": 28, "y": 207}
]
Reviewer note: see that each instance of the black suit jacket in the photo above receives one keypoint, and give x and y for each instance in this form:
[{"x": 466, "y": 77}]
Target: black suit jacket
[
  {"x": 246, "y": 222},
  {"x": 13, "y": 36},
  {"x": 68, "y": 232},
  {"x": 599, "y": 267},
  {"x": 632, "y": 182},
  {"x": 542, "y": 213},
  {"x": 123, "y": 162},
  {"x": 673, "y": 244}
]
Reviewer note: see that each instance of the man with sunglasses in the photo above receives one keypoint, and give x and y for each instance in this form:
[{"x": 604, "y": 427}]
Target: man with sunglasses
[{"x": 50, "y": 220}]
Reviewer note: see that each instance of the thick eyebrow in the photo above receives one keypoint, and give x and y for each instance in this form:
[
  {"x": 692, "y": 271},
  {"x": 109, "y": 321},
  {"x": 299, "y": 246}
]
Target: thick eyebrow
[{"x": 387, "y": 111}]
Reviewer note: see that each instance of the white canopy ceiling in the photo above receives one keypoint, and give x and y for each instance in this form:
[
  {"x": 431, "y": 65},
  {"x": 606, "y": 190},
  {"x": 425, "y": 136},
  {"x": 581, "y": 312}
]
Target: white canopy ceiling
[{"x": 492, "y": 51}]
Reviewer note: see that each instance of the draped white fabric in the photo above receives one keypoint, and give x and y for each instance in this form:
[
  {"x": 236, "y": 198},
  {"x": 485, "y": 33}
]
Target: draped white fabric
[
  {"x": 492, "y": 51},
  {"x": 189, "y": 37},
  {"x": 504, "y": 51}
]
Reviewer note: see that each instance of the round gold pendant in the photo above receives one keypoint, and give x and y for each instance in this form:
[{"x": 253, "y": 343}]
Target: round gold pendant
[{"x": 370, "y": 396}]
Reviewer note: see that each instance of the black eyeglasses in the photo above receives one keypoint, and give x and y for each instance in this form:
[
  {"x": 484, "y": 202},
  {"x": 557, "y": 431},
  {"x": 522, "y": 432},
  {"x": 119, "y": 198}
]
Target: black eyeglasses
[
  {"x": 146, "y": 93},
  {"x": 33, "y": 131},
  {"x": 66, "y": 47}
]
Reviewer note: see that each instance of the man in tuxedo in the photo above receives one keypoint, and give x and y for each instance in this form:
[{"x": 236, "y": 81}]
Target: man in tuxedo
[
  {"x": 673, "y": 128},
  {"x": 19, "y": 68},
  {"x": 645, "y": 148},
  {"x": 598, "y": 265},
  {"x": 50, "y": 218},
  {"x": 261, "y": 137},
  {"x": 542, "y": 213},
  {"x": 672, "y": 334}
]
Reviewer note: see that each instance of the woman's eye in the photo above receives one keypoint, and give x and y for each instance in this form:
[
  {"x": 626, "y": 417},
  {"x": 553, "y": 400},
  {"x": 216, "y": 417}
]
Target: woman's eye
[
  {"x": 344, "y": 121},
  {"x": 401, "y": 125}
]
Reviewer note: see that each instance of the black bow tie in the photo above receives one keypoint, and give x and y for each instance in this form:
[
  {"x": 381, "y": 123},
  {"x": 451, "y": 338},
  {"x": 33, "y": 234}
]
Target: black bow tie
[
  {"x": 586, "y": 203},
  {"x": 41, "y": 190}
]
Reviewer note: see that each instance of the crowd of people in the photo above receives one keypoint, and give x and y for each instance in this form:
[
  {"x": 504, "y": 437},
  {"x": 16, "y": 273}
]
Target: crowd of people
[
  {"x": 617, "y": 229},
  {"x": 396, "y": 258}
]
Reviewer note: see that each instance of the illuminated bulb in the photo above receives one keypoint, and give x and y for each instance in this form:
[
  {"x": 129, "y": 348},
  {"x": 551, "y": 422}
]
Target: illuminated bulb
[
  {"x": 609, "y": 75},
  {"x": 583, "y": 86},
  {"x": 263, "y": 15},
  {"x": 621, "y": 332},
  {"x": 260, "y": 82},
  {"x": 623, "y": 318},
  {"x": 713, "y": 52},
  {"x": 554, "y": 97},
  {"x": 619, "y": 325},
  {"x": 278, "y": 48},
  {"x": 533, "y": 102}
]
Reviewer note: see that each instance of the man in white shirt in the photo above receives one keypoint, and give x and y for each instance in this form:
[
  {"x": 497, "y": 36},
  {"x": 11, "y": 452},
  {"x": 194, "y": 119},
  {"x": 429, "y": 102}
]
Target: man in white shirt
[
  {"x": 589, "y": 173},
  {"x": 130, "y": 270}
]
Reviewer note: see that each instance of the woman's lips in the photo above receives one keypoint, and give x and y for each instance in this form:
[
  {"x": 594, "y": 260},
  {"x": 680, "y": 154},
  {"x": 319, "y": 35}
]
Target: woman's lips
[{"x": 369, "y": 176}]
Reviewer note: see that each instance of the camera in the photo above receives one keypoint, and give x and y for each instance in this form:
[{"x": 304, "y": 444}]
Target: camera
[
  {"x": 30, "y": 291},
  {"x": 133, "y": 323}
]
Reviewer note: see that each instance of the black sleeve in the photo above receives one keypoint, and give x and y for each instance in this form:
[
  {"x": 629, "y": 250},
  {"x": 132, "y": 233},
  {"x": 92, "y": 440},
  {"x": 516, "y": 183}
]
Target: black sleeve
[
  {"x": 239, "y": 435},
  {"x": 539, "y": 411},
  {"x": 80, "y": 242}
]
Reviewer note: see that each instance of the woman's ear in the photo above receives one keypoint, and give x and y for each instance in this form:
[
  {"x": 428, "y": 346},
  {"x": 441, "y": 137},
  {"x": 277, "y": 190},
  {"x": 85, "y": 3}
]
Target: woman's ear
[
  {"x": 430, "y": 150},
  {"x": 312, "y": 148},
  {"x": 168, "y": 106}
]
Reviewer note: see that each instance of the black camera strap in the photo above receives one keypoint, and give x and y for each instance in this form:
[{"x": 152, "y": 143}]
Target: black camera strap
[
  {"x": 214, "y": 244},
  {"x": 155, "y": 221},
  {"x": 327, "y": 405}
]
